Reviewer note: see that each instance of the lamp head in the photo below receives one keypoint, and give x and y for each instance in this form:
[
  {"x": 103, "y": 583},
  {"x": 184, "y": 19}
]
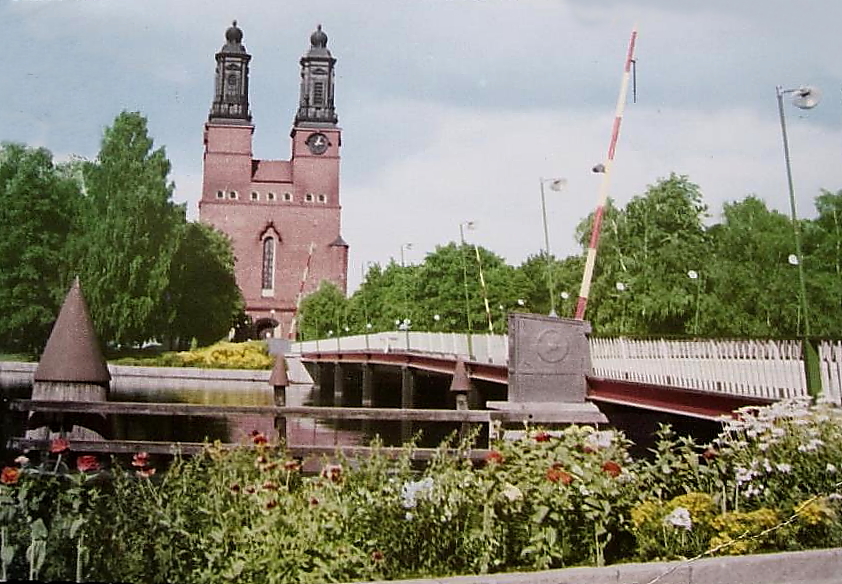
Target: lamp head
[
  {"x": 599, "y": 168},
  {"x": 806, "y": 97}
]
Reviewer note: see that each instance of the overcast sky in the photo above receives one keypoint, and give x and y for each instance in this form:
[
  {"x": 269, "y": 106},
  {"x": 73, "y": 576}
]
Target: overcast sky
[{"x": 452, "y": 110}]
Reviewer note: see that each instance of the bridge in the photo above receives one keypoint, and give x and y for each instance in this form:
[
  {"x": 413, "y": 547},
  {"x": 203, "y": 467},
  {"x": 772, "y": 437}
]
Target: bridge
[{"x": 697, "y": 378}]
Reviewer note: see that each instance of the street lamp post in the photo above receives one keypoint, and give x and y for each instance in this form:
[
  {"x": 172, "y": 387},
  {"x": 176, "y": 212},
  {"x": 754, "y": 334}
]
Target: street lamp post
[
  {"x": 803, "y": 98},
  {"x": 405, "y": 247},
  {"x": 556, "y": 184},
  {"x": 462, "y": 226},
  {"x": 694, "y": 275}
]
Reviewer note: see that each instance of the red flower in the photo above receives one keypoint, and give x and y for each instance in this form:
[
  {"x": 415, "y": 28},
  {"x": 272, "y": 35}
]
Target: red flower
[
  {"x": 377, "y": 556},
  {"x": 145, "y": 473},
  {"x": 542, "y": 437},
  {"x": 588, "y": 449},
  {"x": 272, "y": 504},
  {"x": 710, "y": 453},
  {"x": 612, "y": 468},
  {"x": 270, "y": 486},
  {"x": 259, "y": 439},
  {"x": 291, "y": 465},
  {"x": 59, "y": 445},
  {"x": 235, "y": 488},
  {"x": 494, "y": 457},
  {"x": 140, "y": 459},
  {"x": 313, "y": 501},
  {"x": 250, "y": 490},
  {"x": 86, "y": 463},
  {"x": 555, "y": 474},
  {"x": 9, "y": 475}
]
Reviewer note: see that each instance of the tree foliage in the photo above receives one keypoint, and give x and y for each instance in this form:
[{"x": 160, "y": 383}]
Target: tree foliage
[
  {"x": 202, "y": 300},
  {"x": 38, "y": 202},
  {"x": 128, "y": 232}
]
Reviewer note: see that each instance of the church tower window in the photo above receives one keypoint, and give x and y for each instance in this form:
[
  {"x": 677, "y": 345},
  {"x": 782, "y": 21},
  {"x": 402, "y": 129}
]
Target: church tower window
[
  {"x": 255, "y": 196},
  {"x": 268, "y": 276},
  {"x": 270, "y": 196}
]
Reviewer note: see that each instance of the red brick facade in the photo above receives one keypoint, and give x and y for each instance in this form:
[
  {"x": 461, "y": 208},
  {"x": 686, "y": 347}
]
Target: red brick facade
[{"x": 283, "y": 216}]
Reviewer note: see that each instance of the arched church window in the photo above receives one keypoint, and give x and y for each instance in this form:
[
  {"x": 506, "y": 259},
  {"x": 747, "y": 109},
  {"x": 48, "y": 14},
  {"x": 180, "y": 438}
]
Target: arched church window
[
  {"x": 220, "y": 195},
  {"x": 255, "y": 196},
  {"x": 270, "y": 196},
  {"x": 268, "y": 280},
  {"x": 308, "y": 197},
  {"x": 232, "y": 195}
]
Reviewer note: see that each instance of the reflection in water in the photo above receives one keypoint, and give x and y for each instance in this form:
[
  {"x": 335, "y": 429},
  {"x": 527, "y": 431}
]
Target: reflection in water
[{"x": 300, "y": 431}]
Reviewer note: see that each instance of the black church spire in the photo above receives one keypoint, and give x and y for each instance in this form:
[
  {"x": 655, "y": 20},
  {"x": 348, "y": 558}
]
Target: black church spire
[
  {"x": 315, "y": 107},
  {"x": 231, "y": 91}
]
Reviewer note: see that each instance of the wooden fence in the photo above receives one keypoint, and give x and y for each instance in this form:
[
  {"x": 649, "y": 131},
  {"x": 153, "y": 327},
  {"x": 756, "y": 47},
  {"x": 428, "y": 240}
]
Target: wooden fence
[{"x": 759, "y": 368}]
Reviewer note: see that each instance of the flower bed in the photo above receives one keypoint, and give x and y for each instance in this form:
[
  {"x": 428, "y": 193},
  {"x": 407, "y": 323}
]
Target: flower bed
[{"x": 573, "y": 497}]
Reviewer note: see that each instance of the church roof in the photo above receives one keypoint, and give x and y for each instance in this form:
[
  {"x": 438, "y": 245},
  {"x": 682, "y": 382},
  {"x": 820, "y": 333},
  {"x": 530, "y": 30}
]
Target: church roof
[
  {"x": 339, "y": 242},
  {"x": 72, "y": 353},
  {"x": 271, "y": 171}
]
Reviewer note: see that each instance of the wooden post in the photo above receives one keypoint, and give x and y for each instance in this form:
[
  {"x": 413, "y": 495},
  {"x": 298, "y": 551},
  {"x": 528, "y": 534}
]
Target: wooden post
[
  {"x": 279, "y": 382},
  {"x": 367, "y": 394},
  {"x": 461, "y": 387},
  {"x": 338, "y": 385},
  {"x": 407, "y": 401}
]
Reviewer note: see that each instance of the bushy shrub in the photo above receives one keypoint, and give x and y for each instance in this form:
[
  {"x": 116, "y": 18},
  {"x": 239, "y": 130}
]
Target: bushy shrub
[{"x": 222, "y": 355}]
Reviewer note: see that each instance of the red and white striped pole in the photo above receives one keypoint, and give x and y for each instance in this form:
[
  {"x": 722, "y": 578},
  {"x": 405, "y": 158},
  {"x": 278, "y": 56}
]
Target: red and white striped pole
[{"x": 582, "y": 304}]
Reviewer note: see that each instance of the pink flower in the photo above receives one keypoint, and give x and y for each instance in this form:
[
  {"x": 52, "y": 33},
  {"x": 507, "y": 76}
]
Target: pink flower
[
  {"x": 145, "y": 473},
  {"x": 87, "y": 462},
  {"x": 140, "y": 459},
  {"x": 59, "y": 445}
]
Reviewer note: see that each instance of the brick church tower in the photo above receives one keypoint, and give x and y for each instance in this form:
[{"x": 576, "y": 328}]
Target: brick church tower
[{"x": 283, "y": 216}]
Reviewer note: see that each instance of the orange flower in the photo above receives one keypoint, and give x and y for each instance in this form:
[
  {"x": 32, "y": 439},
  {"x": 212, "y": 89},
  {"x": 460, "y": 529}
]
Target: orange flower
[
  {"x": 259, "y": 439},
  {"x": 86, "y": 463},
  {"x": 542, "y": 437},
  {"x": 612, "y": 468},
  {"x": 291, "y": 465},
  {"x": 140, "y": 459},
  {"x": 270, "y": 486},
  {"x": 9, "y": 475},
  {"x": 59, "y": 445},
  {"x": 494, "y": 457},
  {"x": 555, "y": 474}
]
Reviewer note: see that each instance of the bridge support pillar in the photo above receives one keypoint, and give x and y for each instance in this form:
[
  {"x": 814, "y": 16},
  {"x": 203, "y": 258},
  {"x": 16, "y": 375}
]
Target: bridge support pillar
[
  {"x": 368, "y": 386},
  {"x": 338, "y": 385},
  {"x": 407, "y": 400}
]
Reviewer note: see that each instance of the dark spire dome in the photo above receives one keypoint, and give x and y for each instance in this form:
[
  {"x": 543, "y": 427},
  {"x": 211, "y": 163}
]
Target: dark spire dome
[
  {"x": 318, "y": 39},
  {"x": 234, "y": 34}
]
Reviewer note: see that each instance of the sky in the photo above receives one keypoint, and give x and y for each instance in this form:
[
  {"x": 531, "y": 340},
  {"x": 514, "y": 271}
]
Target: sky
[{"x": 454, "y": 110}]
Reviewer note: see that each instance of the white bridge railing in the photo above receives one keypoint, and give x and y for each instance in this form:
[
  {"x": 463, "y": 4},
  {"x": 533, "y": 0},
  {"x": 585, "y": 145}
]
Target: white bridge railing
[
  {"x": 771, "y": 369},
  {"x": 486, "y": 348}
]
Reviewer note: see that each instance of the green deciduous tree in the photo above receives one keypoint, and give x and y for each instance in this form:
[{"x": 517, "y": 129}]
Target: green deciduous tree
[
  {"x": 128, "y": 232},
  {"x": 202, "y": 299},
  {"x": 322, "y": 312},
  {"x": 38, "y": 202}
]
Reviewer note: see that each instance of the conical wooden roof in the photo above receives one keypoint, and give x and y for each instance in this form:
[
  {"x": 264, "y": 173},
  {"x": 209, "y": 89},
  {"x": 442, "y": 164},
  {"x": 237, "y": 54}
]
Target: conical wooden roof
[
  {"x": 72, "y": 353},
  {"x": 460, "y": 381}
]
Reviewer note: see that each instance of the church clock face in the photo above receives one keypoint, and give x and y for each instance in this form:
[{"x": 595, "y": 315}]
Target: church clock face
[{"x": 317, "y": 143}]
